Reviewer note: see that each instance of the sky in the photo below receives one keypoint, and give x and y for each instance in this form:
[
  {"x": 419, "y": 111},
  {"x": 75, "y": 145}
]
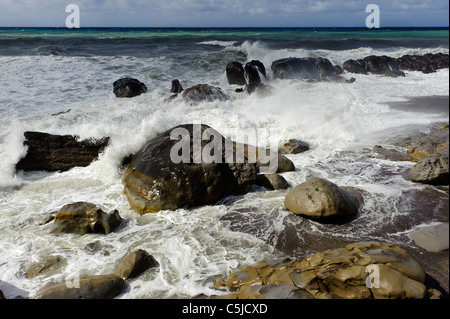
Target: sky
[{"x": 223, "y": 13}]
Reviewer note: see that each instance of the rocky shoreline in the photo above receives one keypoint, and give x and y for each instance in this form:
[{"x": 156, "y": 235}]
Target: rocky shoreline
[{"x": 152, "y": 182}]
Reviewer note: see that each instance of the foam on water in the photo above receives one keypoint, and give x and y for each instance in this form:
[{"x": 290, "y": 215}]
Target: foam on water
[{"x": 341, "y": 122}]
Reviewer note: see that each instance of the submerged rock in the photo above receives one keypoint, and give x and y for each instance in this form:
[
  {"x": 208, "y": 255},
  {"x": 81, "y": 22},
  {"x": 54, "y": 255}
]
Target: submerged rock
[
  {"x": 38, "y": 268},
  {"x": 52, "y": 153},
  {"x": 203, "y": 93},
  {"x": 322, "y": 200},
  {"x": 135, "y": 264},
  {"x": 85, "y": 287},
  {"x": 271, "y": 181},
  {"x": 293, "y": 146},
  {"x": 160, "y": 178},
  {"x": 432, "y": 238},
  {"x": 128, "y": 87},
  {"x": 358, "y": 271},
  {"x": 83, "y": 218}
]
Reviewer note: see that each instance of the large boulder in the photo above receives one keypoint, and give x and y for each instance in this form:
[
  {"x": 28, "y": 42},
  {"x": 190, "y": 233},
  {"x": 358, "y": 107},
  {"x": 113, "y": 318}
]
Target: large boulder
[
  {"x": 432, "y": 170},
  {"x": 160, "y": 178},
  {"x": 128, "y": 87},
  {"x": 358, "y": 271},
  {"x": 203, "y": 93},
  {"x": 49, "y": 152},
  {"x": 323, "y": 200},
  {"x": 432, "y": 238},
  {"x": 295, "y": 68},
  {"x": 84, "y": 287},
  {"x": 83, "y": 218},
  {"x": 235, "y": 73}
]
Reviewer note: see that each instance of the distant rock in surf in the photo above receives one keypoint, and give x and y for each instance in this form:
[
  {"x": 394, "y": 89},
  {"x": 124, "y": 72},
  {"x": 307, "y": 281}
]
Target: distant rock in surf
[
  {"x": 203, "y": 93},
  {"x": 248, "y": 75},
  {"x": 128, "y": 87},
  {"x": 311, "y": 69},
  {"x": 388, "y": 66},
  {"x": 84, "y": 218},
  {"x": 49, "y": 152}
]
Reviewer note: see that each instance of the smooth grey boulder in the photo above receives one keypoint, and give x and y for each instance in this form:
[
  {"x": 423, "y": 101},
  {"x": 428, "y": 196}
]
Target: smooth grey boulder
[{"x": 432, "y": 170}]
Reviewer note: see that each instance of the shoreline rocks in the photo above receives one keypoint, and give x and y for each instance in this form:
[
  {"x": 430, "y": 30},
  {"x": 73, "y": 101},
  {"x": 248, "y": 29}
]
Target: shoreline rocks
[
  {"x": 83, "y": 218},
  {"x": 47, "y": 152},
  {"x": 203, "y": 93},
  {"x": 84, "y": 287},
  {"x": 324, "y": 201},
  {"x": 433, "y": 170},
  {"x": 432, "y": 238},
  {"x": 134, "y": 264},
  {"x": 358, "y": 271}
]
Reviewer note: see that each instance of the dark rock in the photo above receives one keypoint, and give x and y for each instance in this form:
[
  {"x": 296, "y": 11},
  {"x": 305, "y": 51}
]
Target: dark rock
[
  {"x": 293, "y": 146},
  {"x": 155, "y": 180},
  {"x": 358, "y": 66},
  {"x": 2, "y": 296},
  {"x": 128, "y": 87},
  {"x": 415, "y": 63},
  {"x": 203, "y": 93},
  {"x": 87, "y": 287},
  {"x": 259, "y": 66},
  {"x": 383, "y": 65},
  {"x": 176, "y": 87},
  {"x": 271, "y": 181},
  {"x": 82, "y": 218},
  {"x": 295, "y": 68},
  {"x": 59, "y": 153},
  {"x": 438, "y": 60},
  {"x": 325, "y": 67},
  {"x": 432, "y": 170},
  {"x": 235, "y": 73},
  {"x": 135, "y": 264},
  {"x": 323, "y": 200}
]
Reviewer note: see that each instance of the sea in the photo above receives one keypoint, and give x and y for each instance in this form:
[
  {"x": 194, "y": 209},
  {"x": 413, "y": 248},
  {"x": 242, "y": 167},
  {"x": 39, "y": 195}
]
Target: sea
[{"x": 60, "y": 81}]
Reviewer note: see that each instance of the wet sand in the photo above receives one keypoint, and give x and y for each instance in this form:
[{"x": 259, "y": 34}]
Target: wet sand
[{"x": 428, "y": 104}]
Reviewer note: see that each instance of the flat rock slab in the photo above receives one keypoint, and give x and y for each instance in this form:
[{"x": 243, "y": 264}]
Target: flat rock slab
[{"x": 432, "y": 238}]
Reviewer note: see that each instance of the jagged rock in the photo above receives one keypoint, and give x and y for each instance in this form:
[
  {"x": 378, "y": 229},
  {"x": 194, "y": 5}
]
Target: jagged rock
[
  {"x": 432, "y": 170},
  {"x": 85, "y": 287},
  {"x": 383, "y": 65},
  {"x": 322, "y": 200},
  {"x": 82, "y": 218},
  {"x": 128, "y": 87},
  {"x": 355, "y": 66},
  {"x": 415, "y": 63},
  {"x": 358, "y": 271},
  {"x": 271, "y": 181},
  {"x": 135, "y": 264},
  {"x": 49, "y": 152},
  {"x": 176, "y": 87},
  {"x": 438, "y": 60},
  {"x": 295, "y": 68},
  {"x": 293, "y": 146}
]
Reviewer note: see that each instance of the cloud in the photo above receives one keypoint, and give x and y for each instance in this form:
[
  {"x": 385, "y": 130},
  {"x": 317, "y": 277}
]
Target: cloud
[{"x": 221, "y": 12}]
